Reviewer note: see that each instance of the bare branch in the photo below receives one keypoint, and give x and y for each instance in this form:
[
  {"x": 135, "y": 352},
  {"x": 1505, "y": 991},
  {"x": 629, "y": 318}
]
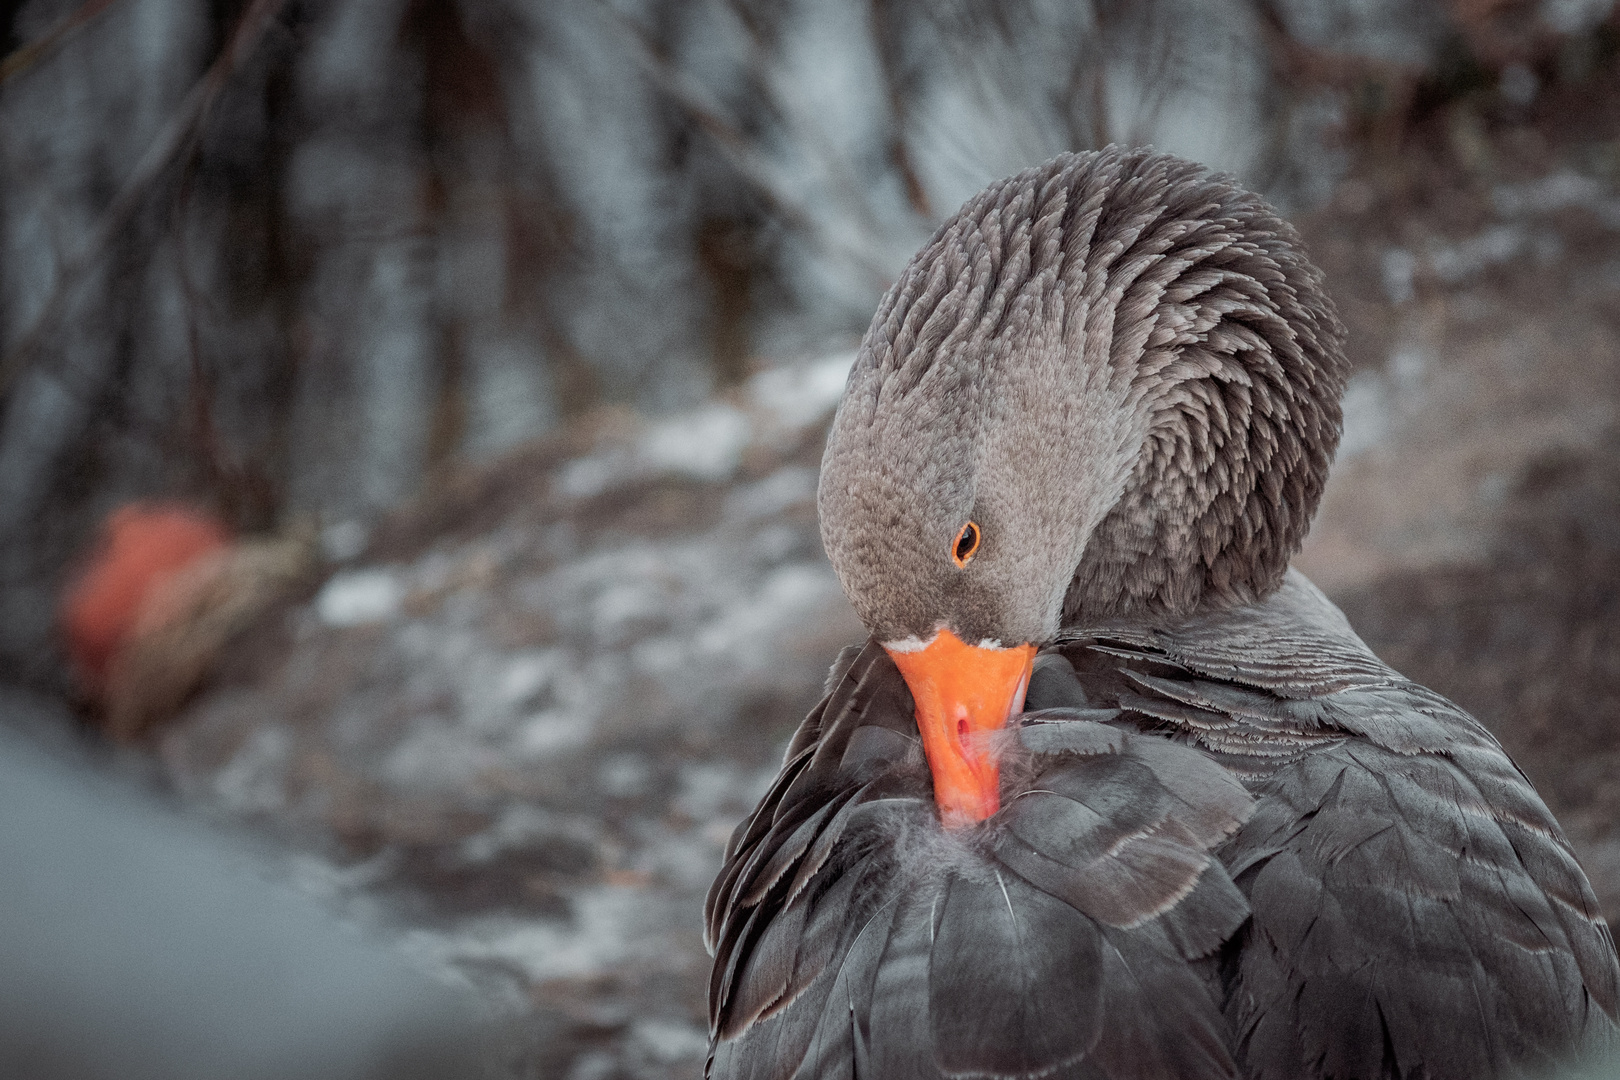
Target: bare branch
[
  {"x": 26, "y": 56},
  {"x": 694, "y": 99},
  {"x": 175, "y": 136}
]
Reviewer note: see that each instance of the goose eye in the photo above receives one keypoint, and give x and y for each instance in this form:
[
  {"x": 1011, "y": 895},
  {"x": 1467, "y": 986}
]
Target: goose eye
[{"x": 967, "y": 542}]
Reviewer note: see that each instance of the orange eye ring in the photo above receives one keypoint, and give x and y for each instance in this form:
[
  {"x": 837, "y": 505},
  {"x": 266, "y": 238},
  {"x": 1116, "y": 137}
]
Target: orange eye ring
[{"x": 966, "y": 543}]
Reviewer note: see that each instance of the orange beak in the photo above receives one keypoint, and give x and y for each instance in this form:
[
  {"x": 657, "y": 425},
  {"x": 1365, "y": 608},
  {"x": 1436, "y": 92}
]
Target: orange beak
[{"x": 963, "y": 693}]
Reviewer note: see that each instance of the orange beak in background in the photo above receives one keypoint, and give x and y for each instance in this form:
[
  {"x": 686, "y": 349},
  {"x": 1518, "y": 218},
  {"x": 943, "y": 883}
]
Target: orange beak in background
[{"x": 963, "y": 693}]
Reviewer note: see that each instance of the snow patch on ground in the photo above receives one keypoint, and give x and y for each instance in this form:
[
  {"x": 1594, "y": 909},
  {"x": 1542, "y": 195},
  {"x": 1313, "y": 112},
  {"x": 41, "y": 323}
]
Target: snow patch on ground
[
  {"x": 612, "y": 925},
  {"x": 670, "y": 1042},
  {"x": 797, "y": 396},
  {"x": 357, "y": 597},
  {"x": 707, "y": 443},
  {"x": 1375, "y": 400},
  {"x": 254, "y": 780},
  {"x": 1558, "y": 191}
]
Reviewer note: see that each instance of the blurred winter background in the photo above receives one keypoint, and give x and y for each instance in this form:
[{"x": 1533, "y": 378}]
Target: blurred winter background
[{"x": 491, "y": 345}]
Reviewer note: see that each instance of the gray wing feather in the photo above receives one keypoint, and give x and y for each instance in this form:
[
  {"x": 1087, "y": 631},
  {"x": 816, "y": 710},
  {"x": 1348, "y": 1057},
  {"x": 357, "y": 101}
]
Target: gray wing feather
[
  {"x": 1238, "y": 846},
  {"x": 1416, "y": 910},
  {"x": 1073, "y": 937},
  {"x": 1034, "y": 965}
]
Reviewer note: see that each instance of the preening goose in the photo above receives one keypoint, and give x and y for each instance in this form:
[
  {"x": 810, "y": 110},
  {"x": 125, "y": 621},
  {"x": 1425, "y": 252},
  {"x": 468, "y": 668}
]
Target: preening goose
[{"x": 1112, "y": 791}]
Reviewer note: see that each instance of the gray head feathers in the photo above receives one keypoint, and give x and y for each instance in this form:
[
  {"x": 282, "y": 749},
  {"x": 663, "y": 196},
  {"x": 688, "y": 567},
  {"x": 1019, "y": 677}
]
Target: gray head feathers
[{"x": 1123, "y": 369}]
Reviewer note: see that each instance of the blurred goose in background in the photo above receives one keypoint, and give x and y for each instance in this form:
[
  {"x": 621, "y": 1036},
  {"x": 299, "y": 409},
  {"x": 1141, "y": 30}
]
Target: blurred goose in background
[{"x": 1111, "y": 791}]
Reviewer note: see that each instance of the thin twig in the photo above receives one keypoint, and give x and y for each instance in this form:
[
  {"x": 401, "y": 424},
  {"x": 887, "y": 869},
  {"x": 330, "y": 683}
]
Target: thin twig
[
  {"x": 808, "y": 132},
  {"x": 693, "y": 99},
  {"x": 26, "y": 56},
  {"x": 1300, "y": 66},
  {"x": 174, "y": 137}
]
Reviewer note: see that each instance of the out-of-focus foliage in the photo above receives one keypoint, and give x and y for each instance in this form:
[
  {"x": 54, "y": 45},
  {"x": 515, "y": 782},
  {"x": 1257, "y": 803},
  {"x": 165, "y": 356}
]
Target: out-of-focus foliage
[{"x": 298, "y": 255}]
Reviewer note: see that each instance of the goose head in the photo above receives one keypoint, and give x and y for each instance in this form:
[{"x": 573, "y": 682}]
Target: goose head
[{"x": 1107, "y": 388}]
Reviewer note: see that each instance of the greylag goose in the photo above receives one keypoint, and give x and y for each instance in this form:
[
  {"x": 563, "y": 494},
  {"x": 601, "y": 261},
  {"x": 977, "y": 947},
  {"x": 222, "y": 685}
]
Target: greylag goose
[{"x": 1112, "y": 791}]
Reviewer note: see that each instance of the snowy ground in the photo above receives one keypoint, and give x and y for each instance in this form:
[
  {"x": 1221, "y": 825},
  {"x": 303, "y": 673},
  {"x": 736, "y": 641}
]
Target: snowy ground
[{"x": 520, "y": 728}]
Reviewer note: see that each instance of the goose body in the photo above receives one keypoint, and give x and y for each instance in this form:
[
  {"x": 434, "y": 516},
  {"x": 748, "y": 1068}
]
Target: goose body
[{"x": 1111, "y": 791}]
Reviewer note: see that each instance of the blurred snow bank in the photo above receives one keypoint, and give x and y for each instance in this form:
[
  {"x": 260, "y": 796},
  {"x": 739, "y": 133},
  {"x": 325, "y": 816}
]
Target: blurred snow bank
[
  {"x": 520, "y": 725},
  {"x": 707, "y": 443}
]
